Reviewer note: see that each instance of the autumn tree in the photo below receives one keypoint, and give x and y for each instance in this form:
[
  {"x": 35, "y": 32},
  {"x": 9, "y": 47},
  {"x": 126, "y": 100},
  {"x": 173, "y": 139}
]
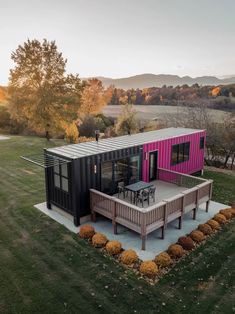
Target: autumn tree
[
  {"x": 71, "y": 133},
  {"x": 94, "y": 97},
  {"x": 40, "y": 94},
  {"x": 127, "y": 122}
]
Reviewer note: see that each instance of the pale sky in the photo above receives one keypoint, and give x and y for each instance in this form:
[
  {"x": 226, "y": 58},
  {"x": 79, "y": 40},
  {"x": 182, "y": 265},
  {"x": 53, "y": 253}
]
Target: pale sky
[{"x": 119, "y": 38}]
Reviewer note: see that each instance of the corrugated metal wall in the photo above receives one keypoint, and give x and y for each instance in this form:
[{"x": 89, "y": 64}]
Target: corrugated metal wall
[
  {"x": 196, "y": 157},
  {"x": 85, "y": 178}
]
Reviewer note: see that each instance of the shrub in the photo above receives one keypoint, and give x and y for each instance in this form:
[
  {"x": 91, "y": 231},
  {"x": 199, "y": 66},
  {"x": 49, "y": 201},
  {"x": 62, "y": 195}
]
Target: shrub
[
  {"x": 86, "y": 231},
  {"x": 197, "y": 236},
  {"x": 221, "y": 219},
  {"x": 175, "y": 250},
  {"x": 129, "y": 257},
  {"x": 113, "y": 247},
  {"x": 99, "y": 240},
  {"x": 163, "y": 259},
  {"x": 186, "y": 243},
  {"x": 232, "y": 211},
  {"x": 213, "y": 224},
  {"x": 206, "y": 229},
  {"x": 226, "y": 212},
  {"x": 148, "y": 268}
]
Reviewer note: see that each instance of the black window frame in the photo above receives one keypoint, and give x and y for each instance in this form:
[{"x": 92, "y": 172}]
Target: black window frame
[
  {"x": 182, "y": 152},
  {"x": 202, "y": 142},
  {"x": 61, "y": 177}
]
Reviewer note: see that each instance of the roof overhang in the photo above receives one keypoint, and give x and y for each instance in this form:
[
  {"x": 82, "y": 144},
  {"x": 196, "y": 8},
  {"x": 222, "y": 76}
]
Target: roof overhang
[{"x": 45, "y": 160}]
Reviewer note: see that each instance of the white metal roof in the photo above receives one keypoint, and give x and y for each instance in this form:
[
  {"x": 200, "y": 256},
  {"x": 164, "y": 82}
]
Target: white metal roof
[{"x": 115, "y": 143}]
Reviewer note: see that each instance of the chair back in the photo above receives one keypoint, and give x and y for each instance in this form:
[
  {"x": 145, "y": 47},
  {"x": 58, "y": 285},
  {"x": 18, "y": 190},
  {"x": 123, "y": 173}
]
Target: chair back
[{"x": 152, "y": 190}]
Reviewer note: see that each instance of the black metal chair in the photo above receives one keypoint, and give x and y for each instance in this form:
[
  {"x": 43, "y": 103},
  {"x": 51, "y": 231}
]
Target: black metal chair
[
  {"x": 121, "y": 189},
  {"x": 142, "y": 196},
  {"x": 152, "y": 191}
]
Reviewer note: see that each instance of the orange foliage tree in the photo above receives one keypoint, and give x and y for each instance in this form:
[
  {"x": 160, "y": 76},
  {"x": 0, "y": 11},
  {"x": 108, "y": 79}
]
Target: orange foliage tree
[
  {"x": 40, "y": 93},
  {"x": 94, "y": 97}
]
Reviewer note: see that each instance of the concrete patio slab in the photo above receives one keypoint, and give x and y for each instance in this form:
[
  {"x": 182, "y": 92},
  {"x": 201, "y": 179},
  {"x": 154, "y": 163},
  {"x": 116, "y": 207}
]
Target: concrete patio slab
[{"x": 130, "y": 239}]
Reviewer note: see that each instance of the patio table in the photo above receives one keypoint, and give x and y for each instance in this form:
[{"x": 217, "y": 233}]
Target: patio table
[{"x": 137, "y": 187}]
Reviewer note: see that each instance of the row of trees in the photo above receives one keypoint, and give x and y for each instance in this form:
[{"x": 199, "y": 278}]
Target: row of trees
[
  {"x": 220, "y": 143},
  {"x": 220, "y": 97}
]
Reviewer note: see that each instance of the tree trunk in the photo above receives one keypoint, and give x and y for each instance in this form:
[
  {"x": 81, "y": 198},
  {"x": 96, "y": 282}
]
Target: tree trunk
[{"x": 47, "y": 135}]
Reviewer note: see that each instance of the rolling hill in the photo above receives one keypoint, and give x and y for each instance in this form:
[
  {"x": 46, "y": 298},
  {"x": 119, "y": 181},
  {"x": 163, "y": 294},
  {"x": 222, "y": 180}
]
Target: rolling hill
[{"x": 158, "y": 80}]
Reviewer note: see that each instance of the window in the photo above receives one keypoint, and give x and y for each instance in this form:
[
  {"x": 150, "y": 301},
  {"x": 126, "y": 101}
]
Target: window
[
  {"x": 61, "y": 177},
  {"x": 180, "y": 153},
  {"x": 202, "y": 142}
]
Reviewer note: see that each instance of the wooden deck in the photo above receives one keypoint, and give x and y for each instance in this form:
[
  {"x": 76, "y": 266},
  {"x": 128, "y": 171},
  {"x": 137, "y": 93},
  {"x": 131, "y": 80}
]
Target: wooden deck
[{"x": 186, "y": 195}]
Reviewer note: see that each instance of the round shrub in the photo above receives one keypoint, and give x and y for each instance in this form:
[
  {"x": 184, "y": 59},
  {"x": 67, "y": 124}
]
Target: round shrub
[
  {"x": 86, "y": 231},
  {"x": 113, "y": 247},
  {"x": 175, "y": 250},
  {"x": 226, "y": 212},
  {"x": 148, "y": 268},
  {"x": 197, "y": 236},
  {"x": 99, "y": 240},
  {"x": 206, "y": 229},
  {"x": 186, "y": 243},
  {"x": 232, "y": 211},
  {"x": 213, "y": 224},
  {"x": 129, "y": 257},
  {"x": 221, "y": 219},
  {"x": 163, "y": 260}
]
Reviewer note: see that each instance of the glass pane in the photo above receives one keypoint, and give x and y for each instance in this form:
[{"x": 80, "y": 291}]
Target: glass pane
[
  {"x": 106, "y": 177},
  {"x": 65, "y": 185},
  {"x": 64, "y": 170},
  {"x": 202, "y": 142},
  {"x": 120, "y": 172},
  {"x": 57, "y": 180},
  {"x": 134, "y": 169},
  {"x": 57, "y": 169},
  {"x": 186, "y": 151},
  {"x": 174, "y": 155},
  {"x": 181, "y": 153}
]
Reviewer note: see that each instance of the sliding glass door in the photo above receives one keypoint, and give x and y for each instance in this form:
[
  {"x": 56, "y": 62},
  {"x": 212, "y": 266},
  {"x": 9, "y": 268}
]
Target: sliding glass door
[{"x": 125, "y": 171}]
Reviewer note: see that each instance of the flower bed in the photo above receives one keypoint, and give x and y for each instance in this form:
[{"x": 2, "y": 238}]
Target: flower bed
[{"x": 154, "y": 269}]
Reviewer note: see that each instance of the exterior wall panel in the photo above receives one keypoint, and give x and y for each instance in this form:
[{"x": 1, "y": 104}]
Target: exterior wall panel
[{"x": 164, "y": 148}]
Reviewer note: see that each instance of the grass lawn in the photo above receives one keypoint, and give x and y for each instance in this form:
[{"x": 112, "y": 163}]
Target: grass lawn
[
  {"x": 223, "y": 187},
  {"x": 46, "y": 269}
]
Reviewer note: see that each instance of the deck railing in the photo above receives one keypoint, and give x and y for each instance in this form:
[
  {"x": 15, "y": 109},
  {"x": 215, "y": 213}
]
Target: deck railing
[
  {"x": 180, "y": 179},
  {"x": 146, "y": 220}
]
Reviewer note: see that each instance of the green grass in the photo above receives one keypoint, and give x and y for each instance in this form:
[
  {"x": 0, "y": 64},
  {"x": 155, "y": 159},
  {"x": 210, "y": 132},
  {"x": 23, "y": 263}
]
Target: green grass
[
  {"x": 46, "y": 269},
  {"x": 223, "y": 187}
]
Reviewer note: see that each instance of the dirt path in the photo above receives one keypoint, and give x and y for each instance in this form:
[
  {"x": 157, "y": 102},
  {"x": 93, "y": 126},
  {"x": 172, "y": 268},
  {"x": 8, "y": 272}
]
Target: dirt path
[{"x": 225, "y": 171}]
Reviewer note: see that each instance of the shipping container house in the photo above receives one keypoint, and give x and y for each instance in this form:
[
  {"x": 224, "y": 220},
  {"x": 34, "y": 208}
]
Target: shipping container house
[{"x": 102, "y": 164}]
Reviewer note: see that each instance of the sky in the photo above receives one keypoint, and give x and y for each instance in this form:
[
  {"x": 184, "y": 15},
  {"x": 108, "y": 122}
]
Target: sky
[{"x": 120, "y": 38}]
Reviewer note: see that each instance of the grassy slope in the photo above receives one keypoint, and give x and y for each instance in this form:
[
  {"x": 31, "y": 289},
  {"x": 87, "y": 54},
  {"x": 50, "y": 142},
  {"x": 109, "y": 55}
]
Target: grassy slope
[
  {"x": 223, "y": 187},
  {"x": 44, "y": 268}
]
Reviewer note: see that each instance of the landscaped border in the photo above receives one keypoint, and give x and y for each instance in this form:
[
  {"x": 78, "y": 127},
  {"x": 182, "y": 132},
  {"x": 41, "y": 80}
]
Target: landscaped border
[{"x": 153, "y": 270}]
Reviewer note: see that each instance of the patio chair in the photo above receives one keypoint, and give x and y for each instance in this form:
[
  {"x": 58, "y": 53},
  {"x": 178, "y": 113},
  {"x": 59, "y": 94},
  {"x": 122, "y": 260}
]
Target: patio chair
[
  {"x": 121, "y": 189},
  {"x": 152, "y": 191},
  {"x": 142, "y": 197}
]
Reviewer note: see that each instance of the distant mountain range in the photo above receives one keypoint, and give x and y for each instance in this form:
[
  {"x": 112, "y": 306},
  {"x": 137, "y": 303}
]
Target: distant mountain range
[{"x": 158, "y": 80}]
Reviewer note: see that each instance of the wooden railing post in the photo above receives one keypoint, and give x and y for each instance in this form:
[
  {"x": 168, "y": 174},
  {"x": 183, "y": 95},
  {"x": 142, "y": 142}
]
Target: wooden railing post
[
  {"x": 114, "y": 214},
  {"x": 143, "y": 231},
  {"x": 182, "y": 212},
  {"x": 165, "y": 220}
]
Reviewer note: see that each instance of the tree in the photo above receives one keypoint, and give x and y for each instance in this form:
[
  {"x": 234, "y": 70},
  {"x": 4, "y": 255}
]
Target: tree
[
  {"x": 127, "y": 122},
  {"x": 40, "y": 94},
  {"x": 94, "y": 97},
  {"x": 71, "y": 133}
]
